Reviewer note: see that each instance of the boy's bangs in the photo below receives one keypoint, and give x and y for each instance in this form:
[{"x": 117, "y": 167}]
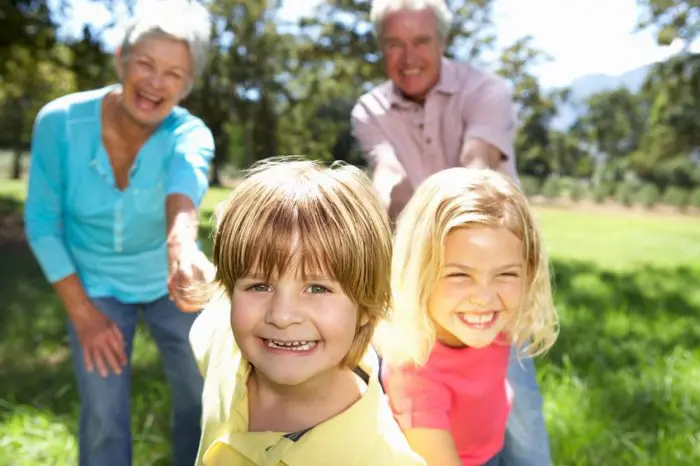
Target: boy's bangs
[{"x": 296, "y": 237}]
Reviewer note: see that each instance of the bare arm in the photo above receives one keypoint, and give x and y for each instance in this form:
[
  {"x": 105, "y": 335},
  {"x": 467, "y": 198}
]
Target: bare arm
[
  {"x": 435, "y": 446},
  {"x": 187, "y": 184},
  {"x": 182, "y": 223},
  {"x": 185, "y": 261},
  {"x": 388, "y": 175}
]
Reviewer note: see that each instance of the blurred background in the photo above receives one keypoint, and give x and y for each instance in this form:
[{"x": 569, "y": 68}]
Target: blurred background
[{"x": 608, "y": 150}]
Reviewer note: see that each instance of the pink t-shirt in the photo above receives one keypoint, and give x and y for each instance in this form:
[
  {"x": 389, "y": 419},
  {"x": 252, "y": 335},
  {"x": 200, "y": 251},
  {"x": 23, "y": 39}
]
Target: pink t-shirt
[{"x": 463, "y": 390}]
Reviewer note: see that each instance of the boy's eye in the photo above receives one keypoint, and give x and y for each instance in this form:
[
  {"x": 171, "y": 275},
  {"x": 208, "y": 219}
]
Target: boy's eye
[
  {"x": 314, "y": 289},
  {"x": 259, "y": 287}
]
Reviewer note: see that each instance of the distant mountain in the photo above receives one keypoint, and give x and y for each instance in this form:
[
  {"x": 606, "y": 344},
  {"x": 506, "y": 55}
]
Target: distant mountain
[{"x": 584, "y": 87}]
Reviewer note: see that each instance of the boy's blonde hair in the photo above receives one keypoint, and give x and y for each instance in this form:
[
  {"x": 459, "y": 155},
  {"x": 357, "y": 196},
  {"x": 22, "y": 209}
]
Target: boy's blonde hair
[
  {"x": 297, "y": 213},
  {"x": 456, "y": 198}
]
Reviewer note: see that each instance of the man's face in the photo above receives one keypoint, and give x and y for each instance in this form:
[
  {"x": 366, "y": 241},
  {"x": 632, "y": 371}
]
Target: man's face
[{"x": 412, "y": 51}]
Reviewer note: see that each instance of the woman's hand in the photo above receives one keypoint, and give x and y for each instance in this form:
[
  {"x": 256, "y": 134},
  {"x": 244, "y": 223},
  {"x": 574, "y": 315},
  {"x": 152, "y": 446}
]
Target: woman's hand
[
  {"x": 101, "y": 339},
  {"x": 188, "y": 266}
]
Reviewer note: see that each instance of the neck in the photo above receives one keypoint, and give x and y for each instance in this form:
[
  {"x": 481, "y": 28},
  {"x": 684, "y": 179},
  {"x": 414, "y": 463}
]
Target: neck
[
  {"x": 284, "y": 408},
  {"x": 122, "y": 123}
]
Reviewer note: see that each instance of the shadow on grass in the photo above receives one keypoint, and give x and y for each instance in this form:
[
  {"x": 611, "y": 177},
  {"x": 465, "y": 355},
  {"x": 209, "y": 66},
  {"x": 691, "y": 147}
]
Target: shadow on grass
[{"x": 627, "y": 365}]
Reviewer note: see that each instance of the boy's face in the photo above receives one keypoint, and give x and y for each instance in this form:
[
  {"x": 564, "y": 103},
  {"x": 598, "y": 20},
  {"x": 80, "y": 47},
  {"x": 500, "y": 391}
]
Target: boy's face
[
  {"x": 290, "y": 329},
  {"x": 480, "y": 287}
]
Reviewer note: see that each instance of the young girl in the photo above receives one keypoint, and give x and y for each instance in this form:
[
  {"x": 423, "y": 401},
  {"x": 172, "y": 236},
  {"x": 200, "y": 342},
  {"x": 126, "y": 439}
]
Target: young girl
[
  {"x": 302, "y": 255},
  {"x": 469, "y": 278}
]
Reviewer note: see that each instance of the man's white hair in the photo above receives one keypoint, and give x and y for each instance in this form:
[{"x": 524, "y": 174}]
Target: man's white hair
[{"x": 381, "y": 8}]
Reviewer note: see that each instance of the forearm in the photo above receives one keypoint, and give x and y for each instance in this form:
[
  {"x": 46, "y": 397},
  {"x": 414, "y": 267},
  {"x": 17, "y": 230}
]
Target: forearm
[
  {"x": 477, "y": 153},
  {"x": 73, "y": 295},
  {"x": 182, "y": 224}
]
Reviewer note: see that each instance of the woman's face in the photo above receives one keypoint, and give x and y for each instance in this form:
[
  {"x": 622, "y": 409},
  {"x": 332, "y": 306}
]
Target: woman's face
[{"x": 156, "y": 75}]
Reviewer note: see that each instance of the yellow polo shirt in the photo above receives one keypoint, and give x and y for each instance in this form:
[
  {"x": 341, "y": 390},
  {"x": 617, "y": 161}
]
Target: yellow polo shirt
[{"x": 364, "y": 434}]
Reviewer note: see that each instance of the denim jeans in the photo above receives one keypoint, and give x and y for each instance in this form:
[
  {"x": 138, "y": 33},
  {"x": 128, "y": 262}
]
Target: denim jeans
[
  {"x": 526, "y": 442},
  {"x": 495, "y": 461},
  {"x": 105, "y": 417}
]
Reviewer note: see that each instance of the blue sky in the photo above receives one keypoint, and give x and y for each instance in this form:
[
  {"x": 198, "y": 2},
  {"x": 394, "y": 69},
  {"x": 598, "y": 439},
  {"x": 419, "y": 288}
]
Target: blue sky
[{"x": 582, "y": 36}]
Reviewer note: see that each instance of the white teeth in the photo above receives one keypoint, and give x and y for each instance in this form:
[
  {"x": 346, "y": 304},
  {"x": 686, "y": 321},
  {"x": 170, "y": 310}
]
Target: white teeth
[
  {"x": 478, "y": 318},
  {"x": 149, "y": 97},
  {"x": 302, "y": 345},
  {"x": 412, "y": 71}
]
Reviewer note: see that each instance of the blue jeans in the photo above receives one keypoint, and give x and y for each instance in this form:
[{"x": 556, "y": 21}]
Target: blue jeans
[
  {"x": 526, "y": 442},
  {"x": 495, "y": 461},
  {"x": 105, "y": 417}
]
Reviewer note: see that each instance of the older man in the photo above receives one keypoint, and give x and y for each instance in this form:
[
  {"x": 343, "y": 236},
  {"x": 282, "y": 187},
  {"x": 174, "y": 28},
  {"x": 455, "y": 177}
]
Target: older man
[{"x": 432, "y": 114}]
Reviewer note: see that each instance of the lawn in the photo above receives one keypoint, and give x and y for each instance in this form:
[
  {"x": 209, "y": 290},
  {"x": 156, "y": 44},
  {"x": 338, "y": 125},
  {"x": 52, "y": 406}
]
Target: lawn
[{"x": 621, "y": 387}]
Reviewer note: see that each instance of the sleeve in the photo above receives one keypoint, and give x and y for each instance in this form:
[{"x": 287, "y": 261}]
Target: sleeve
[
  {"x": 45, "y": 191},
  {"x": 491, "y": 116},
  {"x": 206, "y": 329},
  {"x": 418, "y": 402},
  {"x": 188, "y": 173},
  {"x": 387, "y": 171}
]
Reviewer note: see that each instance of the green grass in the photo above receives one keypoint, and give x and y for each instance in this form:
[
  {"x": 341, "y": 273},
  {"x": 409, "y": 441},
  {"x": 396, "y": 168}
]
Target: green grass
[{"x": 621, "y": 386}]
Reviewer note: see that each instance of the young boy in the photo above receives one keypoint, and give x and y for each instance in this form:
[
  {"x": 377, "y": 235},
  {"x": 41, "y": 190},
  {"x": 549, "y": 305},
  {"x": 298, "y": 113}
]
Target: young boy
[{"x": 302, "y": 256}]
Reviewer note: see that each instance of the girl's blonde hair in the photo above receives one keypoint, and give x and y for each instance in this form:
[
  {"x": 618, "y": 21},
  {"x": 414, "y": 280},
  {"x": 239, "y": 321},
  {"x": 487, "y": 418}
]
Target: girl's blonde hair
[
  {"x": 456, "y": 198},
  {"x": 297, "y": 213}
]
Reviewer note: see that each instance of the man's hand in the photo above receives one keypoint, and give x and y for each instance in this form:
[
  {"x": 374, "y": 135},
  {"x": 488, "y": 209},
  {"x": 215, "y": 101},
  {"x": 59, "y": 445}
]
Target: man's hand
[{"x": 477, "y": 153}]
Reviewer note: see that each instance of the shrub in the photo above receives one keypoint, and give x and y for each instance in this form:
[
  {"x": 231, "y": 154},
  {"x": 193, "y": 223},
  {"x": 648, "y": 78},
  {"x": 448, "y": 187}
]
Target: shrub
[
  {"x": 551, "y": 188},
  {"x": 577, "y": 191},
  {"x": 676, "y": 197},
  {"x": 694, "y": 198},
  {"x": 531, "y": 185},
  {"x": 624, "y": 193},
  {"x": 648, "y": 195}
]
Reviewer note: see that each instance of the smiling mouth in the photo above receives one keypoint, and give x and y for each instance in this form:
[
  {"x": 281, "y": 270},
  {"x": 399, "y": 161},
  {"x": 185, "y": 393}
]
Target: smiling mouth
[
  {"x": 148, "y": 101},
  {"x": 479, "y": 321},
  {"x": 411, "y": 72},
  {"x": 296, "y": 345}
]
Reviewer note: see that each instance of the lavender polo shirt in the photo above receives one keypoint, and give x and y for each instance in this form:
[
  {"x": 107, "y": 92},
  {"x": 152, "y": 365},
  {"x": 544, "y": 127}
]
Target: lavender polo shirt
[{"x": 405, "y": 142}]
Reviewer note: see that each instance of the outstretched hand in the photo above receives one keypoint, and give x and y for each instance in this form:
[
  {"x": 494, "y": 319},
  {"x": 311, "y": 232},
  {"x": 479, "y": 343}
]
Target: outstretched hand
[{"x": 188, "y": 267}]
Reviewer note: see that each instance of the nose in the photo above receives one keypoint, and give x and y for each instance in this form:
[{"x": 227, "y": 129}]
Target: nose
[
  {"x": 156, "y": 79},
  {"x": 409, "y": 55},
  {"x": 480, "y": 296},
  {"x": 283, "y": 311}
]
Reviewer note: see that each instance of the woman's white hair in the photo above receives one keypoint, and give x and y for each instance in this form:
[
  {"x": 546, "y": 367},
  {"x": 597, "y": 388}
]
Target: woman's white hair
[
  {"x": 185, "y": 20},
  {"x": 381, "y": 8}
]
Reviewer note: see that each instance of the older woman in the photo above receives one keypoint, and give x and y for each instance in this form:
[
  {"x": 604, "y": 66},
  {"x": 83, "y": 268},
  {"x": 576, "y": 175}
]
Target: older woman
[{"x": 117, "y": 175}]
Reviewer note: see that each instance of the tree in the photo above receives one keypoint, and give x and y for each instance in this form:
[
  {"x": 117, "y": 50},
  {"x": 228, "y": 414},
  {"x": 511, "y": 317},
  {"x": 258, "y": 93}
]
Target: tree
[
  {"x": 673, "y": 19},
  {"x": 535, "y": 108}
]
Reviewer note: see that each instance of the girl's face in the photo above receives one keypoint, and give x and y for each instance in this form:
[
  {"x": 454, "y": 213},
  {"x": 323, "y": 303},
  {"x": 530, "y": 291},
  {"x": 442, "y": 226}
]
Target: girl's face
[
  {"x": 293, "y": 330},
  {"x": 480, "y": 287}
]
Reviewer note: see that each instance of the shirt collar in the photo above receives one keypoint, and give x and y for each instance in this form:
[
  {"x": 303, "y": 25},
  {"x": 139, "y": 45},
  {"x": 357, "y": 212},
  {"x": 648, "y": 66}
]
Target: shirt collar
[{"x": 322, "y": 441}]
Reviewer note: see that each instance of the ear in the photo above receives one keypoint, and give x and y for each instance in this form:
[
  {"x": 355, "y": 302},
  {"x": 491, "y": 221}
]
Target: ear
[{"x": 364, "y": 320}]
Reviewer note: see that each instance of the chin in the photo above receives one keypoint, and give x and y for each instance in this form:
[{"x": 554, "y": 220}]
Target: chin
[
  {"x": 288, "y": 378},
  {"x": 480, "y": 341}
]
